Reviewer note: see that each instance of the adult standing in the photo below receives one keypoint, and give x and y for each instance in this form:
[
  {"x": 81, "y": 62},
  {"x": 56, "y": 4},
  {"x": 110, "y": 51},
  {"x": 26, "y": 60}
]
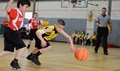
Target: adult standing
[{"x": 102, "y": 22}]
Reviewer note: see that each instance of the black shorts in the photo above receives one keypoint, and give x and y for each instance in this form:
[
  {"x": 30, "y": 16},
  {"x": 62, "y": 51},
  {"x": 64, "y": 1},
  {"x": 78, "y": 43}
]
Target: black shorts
[
  {"x": 32, "y": 33},
  {"x": 38, "y": 43},
  {"x": 12, "y": 39}
]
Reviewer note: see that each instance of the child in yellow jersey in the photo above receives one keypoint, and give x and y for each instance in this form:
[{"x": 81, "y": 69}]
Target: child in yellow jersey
[
  {"x": 41, "y": 40},
  {"x": 87, "y": 39},
  {"x": 45, "y": 23},
  {"x": 74, "y": 36},
  {"x": 77, "y": 37},
  {"x": 82, "y": 37},
  {"x": 94, "y": 38}
]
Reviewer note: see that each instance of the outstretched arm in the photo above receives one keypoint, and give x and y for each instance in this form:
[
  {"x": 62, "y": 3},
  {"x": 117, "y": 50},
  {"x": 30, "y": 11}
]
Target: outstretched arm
[
  {"x": 7, "y": 8},
  {"x": 70, "y": 40}
]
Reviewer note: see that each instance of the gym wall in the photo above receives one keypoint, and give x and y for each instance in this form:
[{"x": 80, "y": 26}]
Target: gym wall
[{"x": 76, "y": 19}]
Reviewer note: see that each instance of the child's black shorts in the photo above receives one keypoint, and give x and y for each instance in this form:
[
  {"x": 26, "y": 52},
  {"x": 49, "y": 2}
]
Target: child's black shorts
[
  {"x": 32, "y": 33},
  {"x": 12, "y": 39},
  {"x": 38, "y": 42}
]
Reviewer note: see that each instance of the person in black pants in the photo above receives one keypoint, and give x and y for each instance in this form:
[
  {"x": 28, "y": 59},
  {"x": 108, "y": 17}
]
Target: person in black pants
[{"x": 102, "y": 22}]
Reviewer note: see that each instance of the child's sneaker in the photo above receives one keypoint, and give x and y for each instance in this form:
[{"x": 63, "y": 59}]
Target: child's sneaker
[
  {"x": 35, "y": 60},
  {"x": 14, "y": 64},
  {"x": 29, "y": 57}
]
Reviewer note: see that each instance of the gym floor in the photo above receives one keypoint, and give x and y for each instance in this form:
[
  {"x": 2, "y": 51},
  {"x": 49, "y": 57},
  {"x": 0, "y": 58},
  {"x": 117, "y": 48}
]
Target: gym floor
[{"x": 60, "y": 58}]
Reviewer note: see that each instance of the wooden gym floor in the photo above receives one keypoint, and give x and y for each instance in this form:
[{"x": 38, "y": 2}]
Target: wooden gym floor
[{"x": 60, "y": 58}]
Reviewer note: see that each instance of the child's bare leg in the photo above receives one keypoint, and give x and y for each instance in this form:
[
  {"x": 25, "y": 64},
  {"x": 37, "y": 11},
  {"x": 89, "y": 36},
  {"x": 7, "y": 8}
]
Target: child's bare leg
[{"x": 3, "y": 53}]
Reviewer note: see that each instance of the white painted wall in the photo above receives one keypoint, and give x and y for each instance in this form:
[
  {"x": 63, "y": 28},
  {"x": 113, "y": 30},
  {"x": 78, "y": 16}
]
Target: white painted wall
[
  {"x": 52, "y": 9},
  {"x": 2, "y": 9}
]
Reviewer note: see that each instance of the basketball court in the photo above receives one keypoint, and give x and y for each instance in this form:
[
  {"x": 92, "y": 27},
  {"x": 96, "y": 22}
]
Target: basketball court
[{"x": 60, "y": 57}]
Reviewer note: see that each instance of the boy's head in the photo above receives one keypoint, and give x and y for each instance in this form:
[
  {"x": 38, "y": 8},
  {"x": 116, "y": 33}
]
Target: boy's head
[
  {"x": 45, "y": 19},
  {"x": 83, "y": 32},
  {"x": 35, "y": 15},
  {"x": 75, "y": 31},
  {"x": 23, "y": 5},
  {"x": 78, "y": 32},
  {"x": 59, "y": 25}
]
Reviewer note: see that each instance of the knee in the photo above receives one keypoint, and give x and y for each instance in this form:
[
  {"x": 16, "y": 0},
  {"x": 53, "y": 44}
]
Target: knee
[{"x": 49, "y": 47}]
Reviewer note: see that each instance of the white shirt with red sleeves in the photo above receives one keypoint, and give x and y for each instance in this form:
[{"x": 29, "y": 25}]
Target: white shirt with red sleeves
[
  {"x": 16, "y": 19},
  {"x": 34, "y": 23}
]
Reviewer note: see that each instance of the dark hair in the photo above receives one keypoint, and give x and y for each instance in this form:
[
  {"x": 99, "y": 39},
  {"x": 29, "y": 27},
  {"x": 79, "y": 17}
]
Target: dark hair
[
  {"x": 104, "y": 8},
  {"x": 23, "y": 2},
  {"x": 61, "y": 22},
  {"x": 83, "y": 32},
  {"x": 35, "y": 13},
  {"x": 75, "y": 31}
]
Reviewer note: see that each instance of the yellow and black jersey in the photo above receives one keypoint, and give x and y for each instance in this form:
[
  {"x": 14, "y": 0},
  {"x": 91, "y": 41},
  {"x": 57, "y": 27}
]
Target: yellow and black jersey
[
  {"x": 73, "y": 35},
  {"x": 86, "y": 37},
  {"x": 78, "y": 35},
  {"x": 82, "y": 36},
  {"x": 93, "y": 36},
  {"x": 49, "y": 35}
]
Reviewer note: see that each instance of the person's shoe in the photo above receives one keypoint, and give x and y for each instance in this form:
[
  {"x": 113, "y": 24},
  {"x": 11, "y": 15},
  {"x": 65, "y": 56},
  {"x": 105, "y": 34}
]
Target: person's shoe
[
  {"x": 96, "y": 51},
  {"x": 28, "y": 46},
  {"x": 35, "y": 60},
  {"x": 14, "y": 65},
  {"x": 29, "y": 57},
  {"x": 105, "y": 53}
]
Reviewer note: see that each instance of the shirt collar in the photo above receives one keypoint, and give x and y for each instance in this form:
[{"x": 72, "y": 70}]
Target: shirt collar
[{"x": 18, "y": 11}]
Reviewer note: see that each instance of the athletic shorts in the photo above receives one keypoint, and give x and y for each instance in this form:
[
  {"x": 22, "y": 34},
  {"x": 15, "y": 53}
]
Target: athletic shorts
[
  {"x": 32, "y": 33},
  {"x": 12, "y": 40},
  {"x": 38, "y": 43}
]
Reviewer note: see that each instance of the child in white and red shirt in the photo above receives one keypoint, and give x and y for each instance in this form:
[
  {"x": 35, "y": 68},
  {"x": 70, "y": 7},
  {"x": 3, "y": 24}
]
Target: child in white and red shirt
[
  {"x": 12, "y": 37},
  {"x": 35, "y": 24}
]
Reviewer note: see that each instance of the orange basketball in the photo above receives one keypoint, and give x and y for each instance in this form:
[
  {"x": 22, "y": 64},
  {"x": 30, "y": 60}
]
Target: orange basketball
[{"x": 81, "y": 54}]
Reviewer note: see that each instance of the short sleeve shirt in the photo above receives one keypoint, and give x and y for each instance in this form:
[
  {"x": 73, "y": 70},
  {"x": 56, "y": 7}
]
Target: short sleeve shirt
[
  {"x": 103, "y": 20},
  {"x": 34, "y": 23},
  {"x": 16, "y": 19}
]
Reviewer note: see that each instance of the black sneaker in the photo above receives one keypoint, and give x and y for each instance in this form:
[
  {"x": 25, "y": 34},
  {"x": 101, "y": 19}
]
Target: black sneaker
[
  {"x": 28, "y": 46},
  {"x": 14, "y": 65},
  {"x": 96, "y": 51},
  {"x": 29, "y": 57},
  {"x": 105, "y": 53},
  {"x": 35, "y": 60}
]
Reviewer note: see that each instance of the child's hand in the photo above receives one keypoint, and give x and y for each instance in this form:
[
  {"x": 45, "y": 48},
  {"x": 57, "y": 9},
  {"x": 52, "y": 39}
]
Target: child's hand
[{"x": 73, "y": 49}]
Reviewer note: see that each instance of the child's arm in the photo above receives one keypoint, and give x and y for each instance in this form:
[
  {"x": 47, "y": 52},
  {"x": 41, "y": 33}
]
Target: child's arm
[
  {"x": 39, "y": 35},
  {"x": 70, "y": 40},
  {"x": 7, "y": 8}
]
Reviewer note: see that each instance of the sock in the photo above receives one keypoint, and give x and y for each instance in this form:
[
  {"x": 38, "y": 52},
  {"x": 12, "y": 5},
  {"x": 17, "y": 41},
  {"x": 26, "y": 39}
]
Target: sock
[
  {"x": 28, "y": 46},
  {"x": 38, "y": 53}
]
